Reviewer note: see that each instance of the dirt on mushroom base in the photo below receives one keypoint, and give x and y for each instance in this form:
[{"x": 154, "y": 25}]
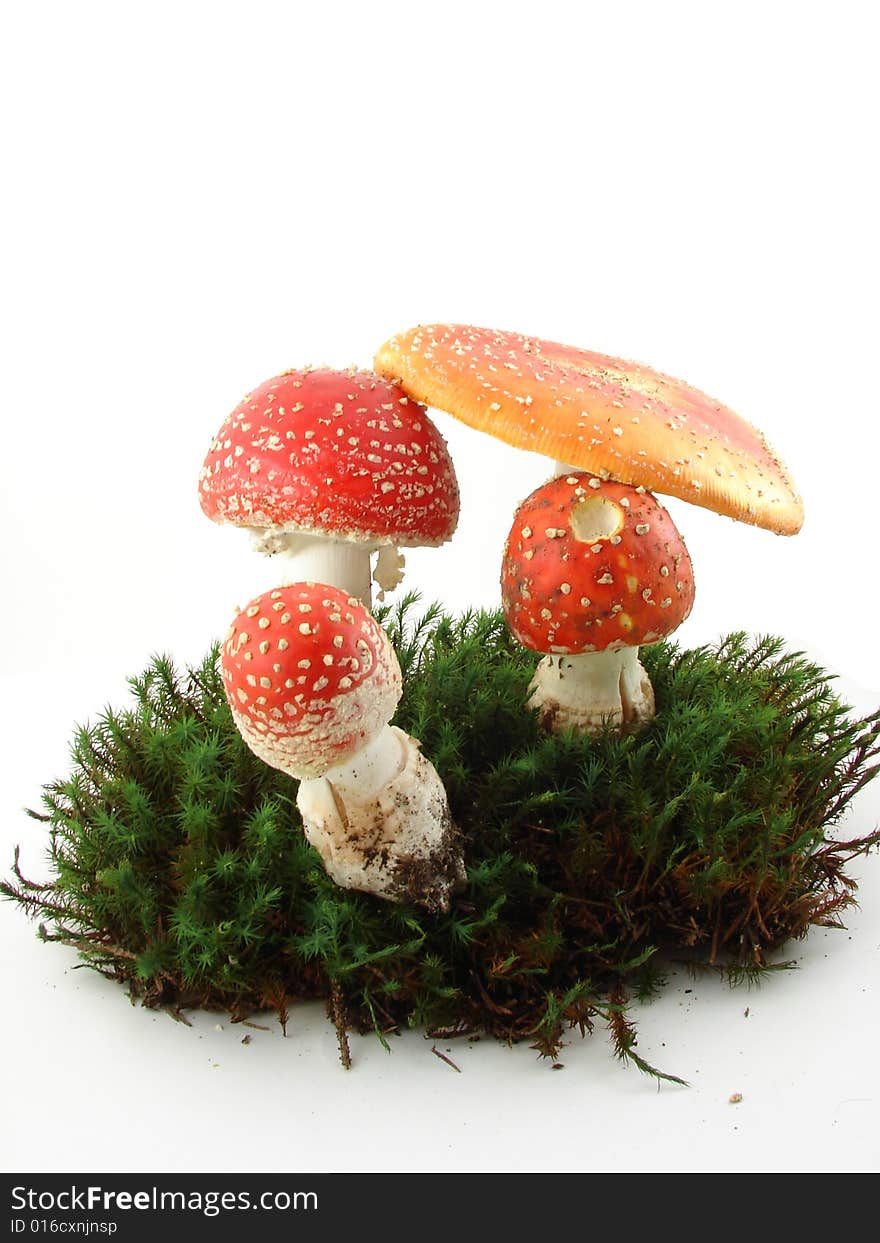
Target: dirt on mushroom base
[{"x": 180, "y": 869}]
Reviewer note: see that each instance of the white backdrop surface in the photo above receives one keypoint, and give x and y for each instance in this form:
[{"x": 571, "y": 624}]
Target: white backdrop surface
[{"x": 197, "y": 196}]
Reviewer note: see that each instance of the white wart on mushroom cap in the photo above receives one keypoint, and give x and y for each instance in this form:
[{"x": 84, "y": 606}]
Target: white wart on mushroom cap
[
  {"x": 593, "y": 569},
  {"x": 327, "y": 466}
]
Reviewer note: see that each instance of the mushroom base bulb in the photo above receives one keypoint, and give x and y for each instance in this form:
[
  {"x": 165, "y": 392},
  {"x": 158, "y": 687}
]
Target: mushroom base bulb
[
  {"x": 381, "y": 824},
  {"x": 593, "y": 691}
]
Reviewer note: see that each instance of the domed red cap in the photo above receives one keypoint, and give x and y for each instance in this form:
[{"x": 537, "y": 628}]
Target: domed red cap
[
  {"x": 340, "y": 453},
  {"x": 310, "y": 677},
  {"x": 592, "y": 564}
]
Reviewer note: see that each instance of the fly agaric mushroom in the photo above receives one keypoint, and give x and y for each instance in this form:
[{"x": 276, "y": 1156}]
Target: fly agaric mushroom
[
  {"x": 312, "y": 681},
  {"x": 326, "y": 467},
  {"x": 593, "y": 570},
  {"x": 619, "y": 420}
]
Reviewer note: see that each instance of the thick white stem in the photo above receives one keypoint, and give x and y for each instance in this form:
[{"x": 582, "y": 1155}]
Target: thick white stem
[
  {"x": 381, "y": 824},
  {"x": 375, "y": 765},
  {"x": 593, "y": 690},
  {"x": 318, "y": 559}
]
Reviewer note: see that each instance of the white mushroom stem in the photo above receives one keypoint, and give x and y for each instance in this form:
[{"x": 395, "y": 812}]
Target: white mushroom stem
[
  {"x": 563, "y": 468},
  {"x": 593, "y": 690},
  {"x": 318, "y": 559},
  {"x": 376, "y": 765},
  {"x": 381, "y": 823}
]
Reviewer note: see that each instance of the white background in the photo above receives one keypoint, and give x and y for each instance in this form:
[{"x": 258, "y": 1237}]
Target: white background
[{"x": 198, "y": 195}]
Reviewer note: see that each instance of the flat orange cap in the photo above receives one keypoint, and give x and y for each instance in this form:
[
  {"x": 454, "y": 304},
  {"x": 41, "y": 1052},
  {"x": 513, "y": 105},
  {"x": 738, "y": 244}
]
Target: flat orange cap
[{"x": 620, "y": 420}]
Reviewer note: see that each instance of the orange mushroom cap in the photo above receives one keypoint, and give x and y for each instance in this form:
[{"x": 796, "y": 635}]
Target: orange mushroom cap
[{"x": 617, "y": 419}]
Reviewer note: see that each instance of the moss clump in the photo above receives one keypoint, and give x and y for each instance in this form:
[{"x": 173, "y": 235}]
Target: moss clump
[{"x": 180, "y": 868}]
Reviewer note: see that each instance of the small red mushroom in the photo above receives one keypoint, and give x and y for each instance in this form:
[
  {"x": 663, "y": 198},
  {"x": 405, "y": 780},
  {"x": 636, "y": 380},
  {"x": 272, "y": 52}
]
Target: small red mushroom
[
  {"x": 312, "y": 681},
  {"x": 592, "y": 570},
  {"x": 328, "y": 466}
]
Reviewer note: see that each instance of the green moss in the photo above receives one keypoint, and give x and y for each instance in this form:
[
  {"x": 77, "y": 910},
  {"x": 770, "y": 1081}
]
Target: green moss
[{"x": 181, "y": 870}]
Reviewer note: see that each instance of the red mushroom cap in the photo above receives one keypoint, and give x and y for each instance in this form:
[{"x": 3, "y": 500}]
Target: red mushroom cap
[
  {"x": 310, "y": 677},
  {"x": 339, "y": 453},
  {"x": 592, "y": 564}
]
